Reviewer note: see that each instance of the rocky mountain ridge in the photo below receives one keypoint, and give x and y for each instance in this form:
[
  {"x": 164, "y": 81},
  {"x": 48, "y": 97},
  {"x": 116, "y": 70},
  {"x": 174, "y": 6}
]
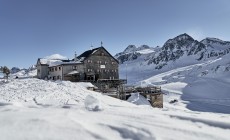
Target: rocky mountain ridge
[{"x": 181, "y": 47}]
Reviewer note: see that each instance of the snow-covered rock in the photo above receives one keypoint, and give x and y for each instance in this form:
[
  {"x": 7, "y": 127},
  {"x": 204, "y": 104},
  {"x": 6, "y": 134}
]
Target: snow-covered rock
[
  {"x": 132, "y": 53},
  {"x": 93, "y": 103}
]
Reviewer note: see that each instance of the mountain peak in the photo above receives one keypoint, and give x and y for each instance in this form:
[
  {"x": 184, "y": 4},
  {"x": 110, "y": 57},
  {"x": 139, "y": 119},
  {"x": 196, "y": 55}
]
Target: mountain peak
[
  {"x": 183, "y": 36},
  {"x": 130, "y": 48},
  {"x": 143, "y": 47},
  {"x": 55, "y": 57},
  {"x": 214, "y": 40}
]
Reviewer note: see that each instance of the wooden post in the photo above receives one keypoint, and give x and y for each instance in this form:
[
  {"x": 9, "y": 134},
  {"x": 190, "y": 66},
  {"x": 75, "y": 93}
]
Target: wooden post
[{"x": 157, "y": 100}]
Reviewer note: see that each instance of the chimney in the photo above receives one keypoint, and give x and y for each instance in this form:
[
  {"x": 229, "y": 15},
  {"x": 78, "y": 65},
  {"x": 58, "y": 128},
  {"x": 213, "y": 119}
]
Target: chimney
[
  {"x": 91, "y": 47},
  {"x": 75, "y": 56},
  {"x": 101, "y": 44}
]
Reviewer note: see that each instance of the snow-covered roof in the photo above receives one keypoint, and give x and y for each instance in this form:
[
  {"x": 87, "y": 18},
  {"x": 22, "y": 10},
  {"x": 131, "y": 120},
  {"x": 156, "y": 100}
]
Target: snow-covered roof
[
  {"x": 73, "y": 72},
  {"x": 56, "y": 59},
  {"x": 44, "y": 61},
  {"x": 64, "y": 63}
]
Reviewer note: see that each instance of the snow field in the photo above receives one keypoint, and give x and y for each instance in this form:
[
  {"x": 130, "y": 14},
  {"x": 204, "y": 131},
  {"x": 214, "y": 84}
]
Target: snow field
[{"x": 38, "y": 109}]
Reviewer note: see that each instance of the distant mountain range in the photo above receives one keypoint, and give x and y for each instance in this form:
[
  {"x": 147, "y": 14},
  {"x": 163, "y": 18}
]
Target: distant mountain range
[
  {"x": 176, "y": 48},
  {"x": 180, "y": 51}
]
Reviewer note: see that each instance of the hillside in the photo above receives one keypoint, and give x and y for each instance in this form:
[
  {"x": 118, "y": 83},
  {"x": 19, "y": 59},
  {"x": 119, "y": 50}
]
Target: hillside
[{"x": 37, "y": 109}]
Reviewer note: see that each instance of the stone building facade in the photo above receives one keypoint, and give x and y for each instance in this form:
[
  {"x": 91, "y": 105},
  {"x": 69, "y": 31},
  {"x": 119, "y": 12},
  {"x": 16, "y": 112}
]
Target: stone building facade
[{"x": 92, "y": 65}]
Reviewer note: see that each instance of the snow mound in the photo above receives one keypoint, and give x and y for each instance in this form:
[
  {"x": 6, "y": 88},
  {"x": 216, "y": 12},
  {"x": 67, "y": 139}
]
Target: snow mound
[
  {"x": 37, "y": 109},
  {"x": 56, "y": 57},
  {"x": 43, "y": 93},
  {"x": 138, "y": 99},
  {"x": 24, "y": 74},
  {"x": 92, "y": 103}
]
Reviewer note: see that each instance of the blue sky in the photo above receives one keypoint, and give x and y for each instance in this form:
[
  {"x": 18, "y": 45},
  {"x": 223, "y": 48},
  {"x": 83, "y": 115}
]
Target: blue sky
[{"x": 30, "y": 29}]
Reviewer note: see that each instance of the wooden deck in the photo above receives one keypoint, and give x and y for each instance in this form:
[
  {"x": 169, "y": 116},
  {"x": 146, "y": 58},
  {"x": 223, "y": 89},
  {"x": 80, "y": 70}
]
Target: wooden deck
[
  {"x": 143, "y": 90},
  {"x": 117, "y": 89},
  {"x": 152, "y": 93}
]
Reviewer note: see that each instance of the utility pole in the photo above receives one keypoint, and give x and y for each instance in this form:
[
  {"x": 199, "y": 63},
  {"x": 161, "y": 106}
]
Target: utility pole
[{"x": 126, "y": 73}]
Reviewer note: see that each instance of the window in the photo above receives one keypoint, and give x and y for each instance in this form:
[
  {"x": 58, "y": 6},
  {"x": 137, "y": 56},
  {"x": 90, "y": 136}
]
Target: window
[
  {"x": 89, "y": 61},
  {"x": 106, "y": 62},
  {"x": 38, "y": 70},
  {"x": 59, "y": 68},
  {"x": 58, "y": 77},
  {"x": 102, "y": 54},
  {"x": 55, "y": 68},
  {"x": 89, "y": 70},
  {"x": 74, "y": 67}
]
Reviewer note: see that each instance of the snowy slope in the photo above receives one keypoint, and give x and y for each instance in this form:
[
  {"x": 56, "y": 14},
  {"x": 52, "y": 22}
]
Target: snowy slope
[
  {"x": 132, "y": 53},
  {"x": 1, "y": 75},
  {"x": 205, "y": 86},
  {"x": 37, "y": 109},
  {"x": 178, "y": 52},
  {"x": 195, "y": 73},
  {"x": 25, "y": 73}
]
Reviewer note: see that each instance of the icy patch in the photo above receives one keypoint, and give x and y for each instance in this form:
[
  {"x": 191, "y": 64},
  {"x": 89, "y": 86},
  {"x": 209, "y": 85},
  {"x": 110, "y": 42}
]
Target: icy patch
[{"x": 92, "y": 103}]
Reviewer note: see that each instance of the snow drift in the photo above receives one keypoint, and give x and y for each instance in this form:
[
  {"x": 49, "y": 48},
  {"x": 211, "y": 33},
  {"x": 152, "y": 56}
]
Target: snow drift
[{"x": 37, "y": 109}]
